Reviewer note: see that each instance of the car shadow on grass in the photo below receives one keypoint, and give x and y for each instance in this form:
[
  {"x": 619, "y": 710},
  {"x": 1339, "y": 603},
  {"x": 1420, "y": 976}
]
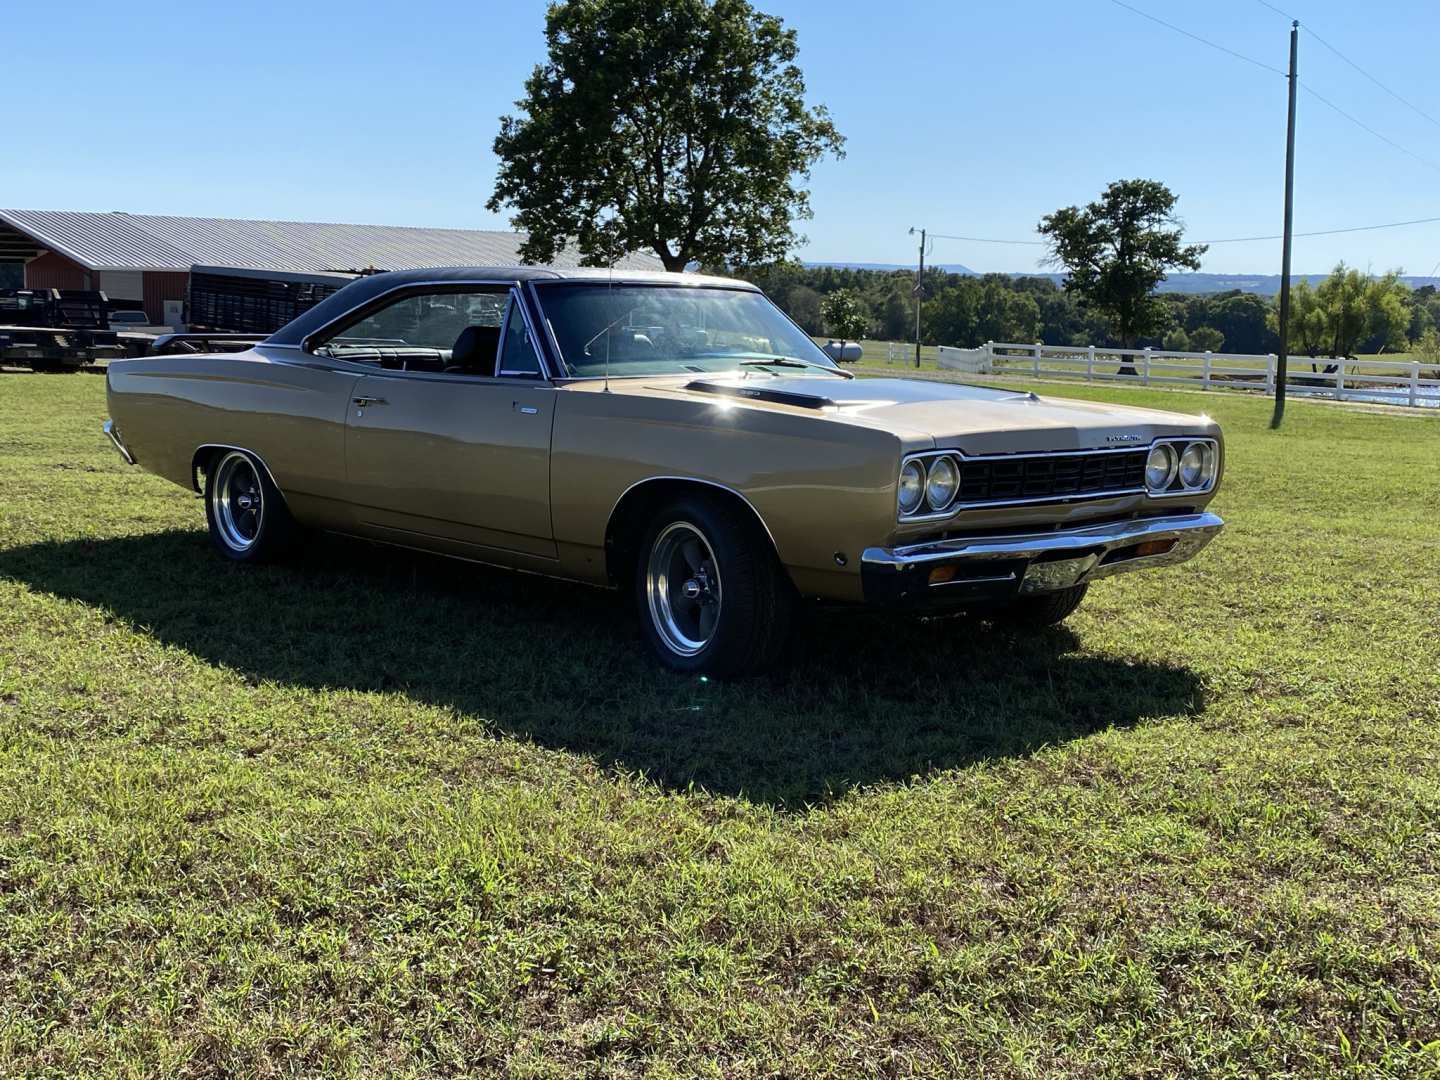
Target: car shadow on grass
[{"x": 865, "y": 699}]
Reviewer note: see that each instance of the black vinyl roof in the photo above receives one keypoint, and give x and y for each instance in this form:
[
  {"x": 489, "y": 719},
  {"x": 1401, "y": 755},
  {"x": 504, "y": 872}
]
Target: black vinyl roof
[{"x": 363, "y": 290}]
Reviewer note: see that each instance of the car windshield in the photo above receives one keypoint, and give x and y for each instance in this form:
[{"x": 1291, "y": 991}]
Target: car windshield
[{"x": 656, "y": 329}]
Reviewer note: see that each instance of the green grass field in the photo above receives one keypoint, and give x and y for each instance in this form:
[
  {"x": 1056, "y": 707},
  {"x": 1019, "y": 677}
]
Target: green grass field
[{"x": 375, "y": 814}]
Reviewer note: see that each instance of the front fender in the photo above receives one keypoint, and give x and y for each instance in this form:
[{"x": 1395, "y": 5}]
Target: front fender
[{"x": 824, "y": 490}]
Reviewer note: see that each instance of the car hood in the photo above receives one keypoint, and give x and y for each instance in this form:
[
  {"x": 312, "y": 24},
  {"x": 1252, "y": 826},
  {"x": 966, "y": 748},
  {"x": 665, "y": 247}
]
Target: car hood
[{"x": 974, "y": 419}]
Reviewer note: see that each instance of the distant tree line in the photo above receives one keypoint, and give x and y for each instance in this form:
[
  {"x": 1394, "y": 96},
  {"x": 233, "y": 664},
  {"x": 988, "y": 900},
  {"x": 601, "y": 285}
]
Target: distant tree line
[{"x": 1347, "y": 314}]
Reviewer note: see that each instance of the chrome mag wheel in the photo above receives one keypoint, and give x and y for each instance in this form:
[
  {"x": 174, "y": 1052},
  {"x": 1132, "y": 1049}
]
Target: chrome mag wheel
[
  {"x": 682, "y": 588},
  {"x": 238, "y": 501}
]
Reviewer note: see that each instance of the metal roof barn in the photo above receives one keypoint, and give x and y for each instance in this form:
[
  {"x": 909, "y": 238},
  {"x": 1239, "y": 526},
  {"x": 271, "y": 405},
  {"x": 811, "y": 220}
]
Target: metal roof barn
[{"x": 149, "y": 257}]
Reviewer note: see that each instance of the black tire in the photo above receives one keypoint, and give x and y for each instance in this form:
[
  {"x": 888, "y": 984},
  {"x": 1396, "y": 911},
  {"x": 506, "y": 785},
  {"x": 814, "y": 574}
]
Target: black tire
[
  {"x": 248, "y": 519},
  {"x": 751, "y": 600},
  {"x": 1042, "y": 609}
]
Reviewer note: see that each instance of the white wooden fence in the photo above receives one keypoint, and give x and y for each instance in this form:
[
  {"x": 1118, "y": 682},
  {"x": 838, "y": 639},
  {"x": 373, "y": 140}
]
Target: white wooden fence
[{"x": 1394, "y": 382}]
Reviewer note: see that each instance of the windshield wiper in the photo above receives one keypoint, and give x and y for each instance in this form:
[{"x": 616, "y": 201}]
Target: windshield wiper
[{"x": 796, "y": 362}]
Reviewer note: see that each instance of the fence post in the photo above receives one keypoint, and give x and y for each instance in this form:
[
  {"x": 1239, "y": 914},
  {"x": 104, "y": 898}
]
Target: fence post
[
  {"x": 1147, "y": 366},
  {"x": 1340, "y": 381},
  {"x": 1038, "y": 346},
  {"x": 1209, "y": 360},
  {"x": 1271, "y": 361},
  {"x": 1090, "y": 363},
  {"x": 1414, "y": 381},
  {"x": 989, "y": 358}
]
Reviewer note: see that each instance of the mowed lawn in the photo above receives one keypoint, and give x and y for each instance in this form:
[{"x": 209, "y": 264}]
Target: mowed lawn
[{"x": 376, "y": 814}]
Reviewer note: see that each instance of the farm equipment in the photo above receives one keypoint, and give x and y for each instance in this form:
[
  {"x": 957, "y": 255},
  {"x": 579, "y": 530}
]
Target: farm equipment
[{"x": 60, "y": 330}]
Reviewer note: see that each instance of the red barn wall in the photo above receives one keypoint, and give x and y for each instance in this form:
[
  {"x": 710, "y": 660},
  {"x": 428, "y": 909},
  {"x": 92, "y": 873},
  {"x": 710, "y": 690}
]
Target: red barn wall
[
  {"x": 162, "y": 285},
  {"x": 54, "y": 271}
]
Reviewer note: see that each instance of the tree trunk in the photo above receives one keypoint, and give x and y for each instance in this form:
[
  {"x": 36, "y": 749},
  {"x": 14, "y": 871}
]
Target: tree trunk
[
  {"x": 675, "y": 263},
  {"x": 1127, "y": 343}
]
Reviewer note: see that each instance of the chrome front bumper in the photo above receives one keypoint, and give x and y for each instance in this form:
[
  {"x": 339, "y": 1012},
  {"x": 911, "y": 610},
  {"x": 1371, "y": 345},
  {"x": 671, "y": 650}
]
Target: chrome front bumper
[
  {"x": 962, "y": 569},
  {"x": 113, "y": 435}
]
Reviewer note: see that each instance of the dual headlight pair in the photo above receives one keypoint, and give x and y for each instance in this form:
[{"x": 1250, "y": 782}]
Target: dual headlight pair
[
  {"x": 1180, "y": 466},
  {"x": 936, "y": 486}
]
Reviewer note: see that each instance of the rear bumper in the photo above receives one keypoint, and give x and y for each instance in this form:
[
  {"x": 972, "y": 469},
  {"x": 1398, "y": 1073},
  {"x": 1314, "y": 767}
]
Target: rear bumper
[
  {"x": 968, "y": 570},
  {"x": 113, "y": 434}
]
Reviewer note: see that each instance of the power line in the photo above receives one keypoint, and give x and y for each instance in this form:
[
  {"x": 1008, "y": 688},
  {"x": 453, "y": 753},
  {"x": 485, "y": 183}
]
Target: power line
[
  {"x": 1197, "y": 37},
  {"x": 1275, "y": 9},
  {"x": 1326, "y": 232},
  {"x": 1313, "y": 93},
  {"x": 984, "y": 240},
  {"x": 1403, "y": 100},
  {"x": 1225, "y": 240},
  {"x": 1366, "y": 127}
]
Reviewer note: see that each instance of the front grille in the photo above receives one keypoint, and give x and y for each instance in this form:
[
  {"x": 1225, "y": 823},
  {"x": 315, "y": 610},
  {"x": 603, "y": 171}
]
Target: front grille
[{"x": 1054, "y": 476}]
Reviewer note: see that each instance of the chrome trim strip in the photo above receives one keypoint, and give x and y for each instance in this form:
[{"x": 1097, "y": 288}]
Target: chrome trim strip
[
  {"x": 996, "y": 579},
  {"x": 113, "y": 434},
  {"x": 692, "y": 480},
  {"x": 1136, "y": 449},
  {"x": 195, "y": 465},
  {"x": 1191, "y": 532}
]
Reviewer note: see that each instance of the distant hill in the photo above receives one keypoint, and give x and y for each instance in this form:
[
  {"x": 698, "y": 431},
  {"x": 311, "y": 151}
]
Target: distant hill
[
  {"x": 949, "y": 268},
  {"x": 1260, "y": 284},
  {"x": 1263, "y": 284}
]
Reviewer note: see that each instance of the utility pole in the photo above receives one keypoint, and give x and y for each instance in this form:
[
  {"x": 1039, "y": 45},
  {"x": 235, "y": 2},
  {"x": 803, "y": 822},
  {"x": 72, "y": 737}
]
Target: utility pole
[
  {"x": 919, "y": 294},
  {"x": 1282, "y": 361}
]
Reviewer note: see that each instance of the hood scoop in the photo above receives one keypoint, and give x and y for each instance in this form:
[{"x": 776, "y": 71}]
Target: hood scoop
[{"x": 762, "y": 393}]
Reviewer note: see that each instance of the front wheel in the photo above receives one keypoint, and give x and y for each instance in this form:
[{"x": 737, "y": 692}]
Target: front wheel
[
  {"x": 247, "y": 515},
  {"x": 712, "y": 596},
  {"x": 1043, "y": 609}
]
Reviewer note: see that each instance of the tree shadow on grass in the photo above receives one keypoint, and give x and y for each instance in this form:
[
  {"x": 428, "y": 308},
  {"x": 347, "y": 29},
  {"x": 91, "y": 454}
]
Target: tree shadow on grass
[{"x": 865, "y": 699}]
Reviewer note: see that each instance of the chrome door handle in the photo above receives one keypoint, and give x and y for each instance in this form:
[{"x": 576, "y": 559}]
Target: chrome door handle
[{"x": 364, "y": 401}]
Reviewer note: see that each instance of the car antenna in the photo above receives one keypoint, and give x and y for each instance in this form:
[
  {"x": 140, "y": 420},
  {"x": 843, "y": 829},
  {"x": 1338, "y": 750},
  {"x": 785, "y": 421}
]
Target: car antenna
[{"x": 609, "y": 331}]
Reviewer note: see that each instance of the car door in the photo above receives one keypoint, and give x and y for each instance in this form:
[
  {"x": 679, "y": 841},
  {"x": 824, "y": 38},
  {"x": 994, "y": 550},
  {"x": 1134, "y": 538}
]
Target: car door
[{"x": 455, "y": 456}]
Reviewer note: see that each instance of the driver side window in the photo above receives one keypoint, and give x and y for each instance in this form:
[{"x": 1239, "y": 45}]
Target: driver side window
[{"x": 450, "y": 331}]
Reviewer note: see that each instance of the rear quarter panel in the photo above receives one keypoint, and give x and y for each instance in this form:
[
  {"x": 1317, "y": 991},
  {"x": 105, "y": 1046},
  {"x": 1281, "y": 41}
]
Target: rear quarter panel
[{"x": 290, "y": 414}]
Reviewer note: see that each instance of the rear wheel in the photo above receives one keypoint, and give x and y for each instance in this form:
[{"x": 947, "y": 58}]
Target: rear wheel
[
  {"x": 247, "y": 515},
  {"x": 712, "y": 596},
  {"x": 1043, "y": 609}
]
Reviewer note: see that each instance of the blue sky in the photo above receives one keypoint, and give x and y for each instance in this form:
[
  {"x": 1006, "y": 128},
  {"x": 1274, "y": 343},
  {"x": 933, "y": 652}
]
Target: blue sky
[{"x": 968, "y": 118}]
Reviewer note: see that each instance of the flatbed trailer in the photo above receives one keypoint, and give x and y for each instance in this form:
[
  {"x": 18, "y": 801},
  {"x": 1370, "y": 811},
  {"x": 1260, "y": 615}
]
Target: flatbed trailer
[
  {"x": 63, "y": 348},
  {"x": 62, "y": 330}
]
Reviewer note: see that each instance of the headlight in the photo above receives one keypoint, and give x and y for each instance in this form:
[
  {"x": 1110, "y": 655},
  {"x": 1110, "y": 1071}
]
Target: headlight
[
  {"x": 1197, "y": 465},
  {"x": 942, "y": 484},
  {"x": 1160, "y": 467},
  {"x": 912, "y": 486}
]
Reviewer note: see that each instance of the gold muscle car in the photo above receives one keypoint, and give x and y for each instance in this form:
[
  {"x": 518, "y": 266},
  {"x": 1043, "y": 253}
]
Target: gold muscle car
[{"x": 673, "y": 435}]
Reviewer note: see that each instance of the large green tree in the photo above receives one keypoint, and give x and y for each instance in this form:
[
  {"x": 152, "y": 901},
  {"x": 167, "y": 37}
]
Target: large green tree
[
  {"x": 1347, "y": 310},
  {"x": 673, "y": 126},
  {"x": 1117, "y": 250},
  {"x": 845, "y": 315}
]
